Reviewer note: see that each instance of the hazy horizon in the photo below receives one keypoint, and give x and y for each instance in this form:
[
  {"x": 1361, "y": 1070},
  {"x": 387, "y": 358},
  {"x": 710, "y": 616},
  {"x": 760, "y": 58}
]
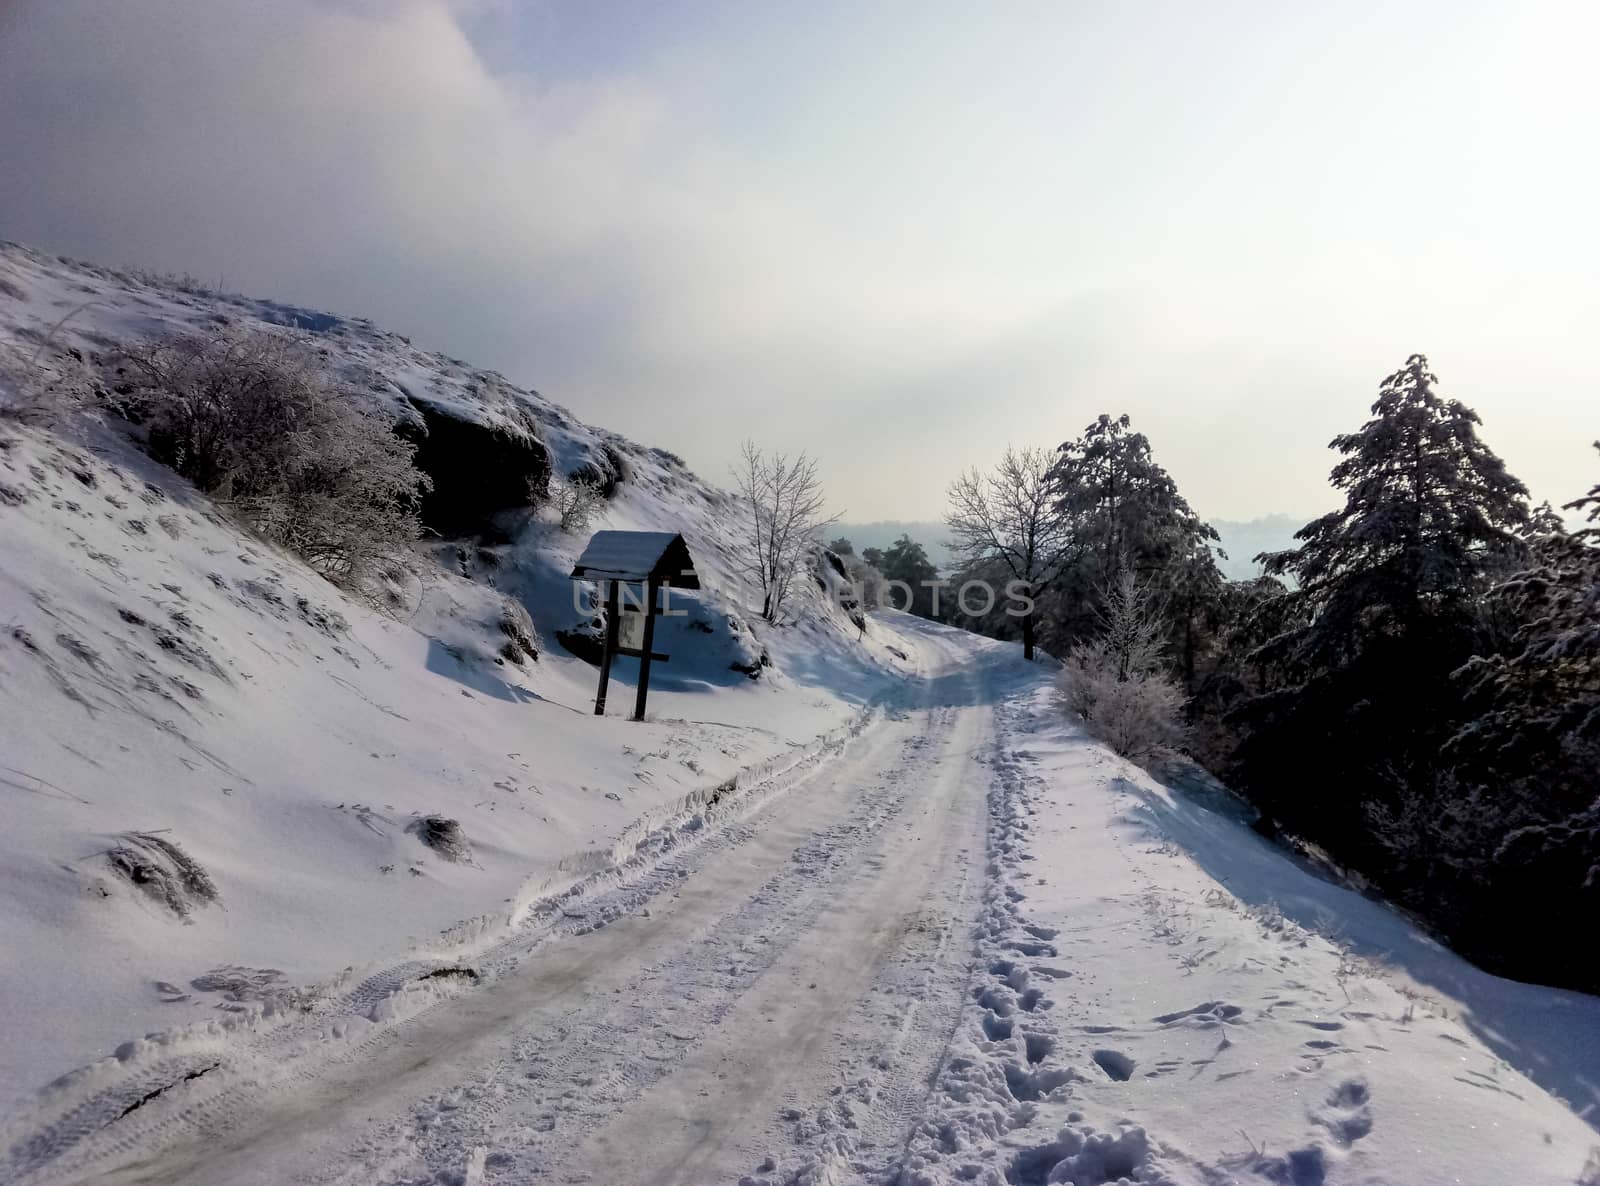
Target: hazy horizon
[
  {"x": 1242, "y": 539},
  {"x": 899, "y": 238}
]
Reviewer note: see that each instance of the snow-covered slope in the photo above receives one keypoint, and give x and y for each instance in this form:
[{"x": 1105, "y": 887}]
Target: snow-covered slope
[{"x": 174, "y": 691}]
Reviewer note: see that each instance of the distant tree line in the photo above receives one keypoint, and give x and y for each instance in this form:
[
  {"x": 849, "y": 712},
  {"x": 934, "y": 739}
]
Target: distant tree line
[{"x": 1412, "y": 692}]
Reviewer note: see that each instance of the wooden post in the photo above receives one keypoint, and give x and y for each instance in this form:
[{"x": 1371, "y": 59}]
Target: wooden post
[
  {"x": 652, "y": 596},
  {"x": 610, "y": 648}
]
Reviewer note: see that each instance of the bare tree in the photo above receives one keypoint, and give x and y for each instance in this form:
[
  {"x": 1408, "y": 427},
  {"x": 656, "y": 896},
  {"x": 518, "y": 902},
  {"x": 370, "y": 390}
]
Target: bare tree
[
  {"x": 783, "y": 502},
  {"x": 1008, "y": 516},
  {"x": 576, "y": 501}
]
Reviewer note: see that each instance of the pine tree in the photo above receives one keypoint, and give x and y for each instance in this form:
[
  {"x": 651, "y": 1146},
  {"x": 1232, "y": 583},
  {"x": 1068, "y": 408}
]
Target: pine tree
[
  {"x": 1518, "y": 817},
  {"x": 1534, "y": 724},
  {"x": 1198, "y": 604},
  {"x": 1589, "y": 503},
  {"x": 906, "y": 561},
  {"x": 1431, "y": 517},
  {"x": 1124, "y": 510},
  {"x": 1384, "y": 609},
  {"x": 1121, "y": 503}
]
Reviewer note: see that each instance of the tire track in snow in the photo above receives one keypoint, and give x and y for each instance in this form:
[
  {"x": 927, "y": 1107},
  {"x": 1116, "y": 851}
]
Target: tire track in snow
[
  {"x": 79, "y": 1120},
  {"x": 260, "y": 1117},
  {"x": 826, "y": 856},
  {"x": 661, "y": 1016},
  {"x": 821, "y": 1070}
]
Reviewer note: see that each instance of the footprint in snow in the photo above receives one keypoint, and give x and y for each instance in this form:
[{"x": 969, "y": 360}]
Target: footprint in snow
[
  {"x": 1205, "y": 1015},
  {"x": 1115, "y": 1064},
  {"x": 1346, "y": 1115}
]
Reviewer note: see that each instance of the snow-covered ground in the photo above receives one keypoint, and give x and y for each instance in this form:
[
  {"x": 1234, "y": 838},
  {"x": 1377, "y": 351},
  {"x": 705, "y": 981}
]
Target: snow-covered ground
[
  {"x": 1164, "y": 996},
  {"x": 877, "y": 915},
  {"x": 788, "y": 992},
  {"x": 165, "y": 679}
]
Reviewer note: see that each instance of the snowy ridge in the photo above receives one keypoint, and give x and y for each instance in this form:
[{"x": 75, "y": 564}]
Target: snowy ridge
[{"x": 90, "y": 308}]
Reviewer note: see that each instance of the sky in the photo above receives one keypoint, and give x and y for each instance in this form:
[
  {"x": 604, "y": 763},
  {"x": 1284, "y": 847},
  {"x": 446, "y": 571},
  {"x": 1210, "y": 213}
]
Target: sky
[{"x": 899, "y": 236}]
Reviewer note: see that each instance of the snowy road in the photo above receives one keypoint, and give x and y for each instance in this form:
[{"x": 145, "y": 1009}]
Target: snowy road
[
  {"x": 784, "y": 987},
  {"x": 965, "y": 944}
]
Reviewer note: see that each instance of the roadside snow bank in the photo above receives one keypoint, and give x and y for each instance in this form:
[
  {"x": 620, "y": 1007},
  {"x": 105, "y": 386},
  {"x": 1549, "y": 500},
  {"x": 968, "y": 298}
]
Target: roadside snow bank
[{"x": 1164, "y": 998}]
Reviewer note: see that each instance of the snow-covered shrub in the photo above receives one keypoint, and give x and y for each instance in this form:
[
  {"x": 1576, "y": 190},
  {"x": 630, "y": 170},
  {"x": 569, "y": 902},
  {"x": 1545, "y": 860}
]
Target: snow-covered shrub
[
  {"x": 163, "y": 871},
  {"x": 576, "y": 501},
  {"x": 1116, "y": 684},
  {"x": 251, "y": 418},
  {"x": 33, "y": 390},
  {"x": 1140, "y": 717},
  {"x": 1131, "y": 628}
]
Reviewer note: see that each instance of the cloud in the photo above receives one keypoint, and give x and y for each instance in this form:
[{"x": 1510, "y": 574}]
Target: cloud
[
  {"x": 897, "y": 238},
  {"x": 363, "y": 155}
]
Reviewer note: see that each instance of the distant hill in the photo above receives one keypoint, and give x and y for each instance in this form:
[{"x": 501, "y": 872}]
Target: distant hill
[
  {"x": 931, "y": 534},
  {"x": 1241, "y": 539}
]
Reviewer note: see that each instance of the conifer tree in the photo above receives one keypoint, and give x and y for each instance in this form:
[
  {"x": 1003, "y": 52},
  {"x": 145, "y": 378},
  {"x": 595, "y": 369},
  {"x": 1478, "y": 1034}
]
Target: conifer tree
[
  {"x": 1533, "y": 726},
  {"x": 1431, "y": 517},
  {"x": 906, "y": 561},
  {"x": 1121, "y": 503},
  {"x": 1384, "y": 608},
  {"x": 1123, "y": 509},
  {"x": 1516, "y": 820}
]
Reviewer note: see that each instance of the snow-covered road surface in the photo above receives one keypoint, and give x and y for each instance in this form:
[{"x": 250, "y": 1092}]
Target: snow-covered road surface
[
  {"x": 965, "y": 944},
  {"x": 785, "y": 985}
]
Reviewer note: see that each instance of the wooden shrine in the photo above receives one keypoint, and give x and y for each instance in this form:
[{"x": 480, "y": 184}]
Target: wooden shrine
[{"x": 634, "y": 567}]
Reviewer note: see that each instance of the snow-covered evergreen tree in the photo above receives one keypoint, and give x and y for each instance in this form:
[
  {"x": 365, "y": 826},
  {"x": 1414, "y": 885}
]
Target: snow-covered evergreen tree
[
  {"x": 1358, "y": 691},
  {"x": 906, "y": 561},
  {"x": 1431, "y": 518},
  {"x": 1516, "y": 818},
  {"x": 1121, "y": 507}
]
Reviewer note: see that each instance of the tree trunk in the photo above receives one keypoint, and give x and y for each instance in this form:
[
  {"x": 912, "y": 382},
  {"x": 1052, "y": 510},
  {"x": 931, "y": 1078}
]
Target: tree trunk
[
  {"x": 1188, "y": 650},
  {"x": 1027, "y": 637}
]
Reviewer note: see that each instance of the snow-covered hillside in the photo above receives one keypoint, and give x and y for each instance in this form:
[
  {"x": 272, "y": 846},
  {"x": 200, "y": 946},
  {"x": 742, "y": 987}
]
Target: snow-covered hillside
[{"x": 174, "y": 691}]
